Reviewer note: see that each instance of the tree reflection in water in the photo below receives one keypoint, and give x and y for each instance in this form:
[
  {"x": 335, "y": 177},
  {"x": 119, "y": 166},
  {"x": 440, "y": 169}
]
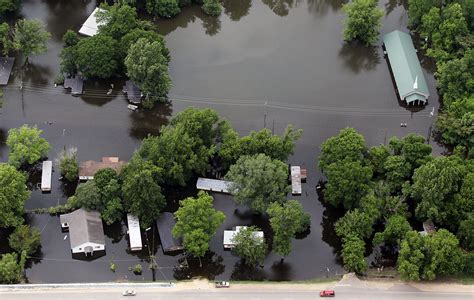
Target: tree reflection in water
[
  {"x": 321, "y": 7},
  {"x": 281, "y": 7},
  {"x": 236, "y": 10},
  {"x": 358, "y": 57},
  {"x": 212, "y": 265}
]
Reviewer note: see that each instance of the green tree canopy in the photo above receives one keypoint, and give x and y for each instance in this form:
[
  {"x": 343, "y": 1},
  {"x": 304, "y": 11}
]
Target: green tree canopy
[
  {"x": 25, "y": 238},
  {"x": 286, "y": 220},
  {"x": 413, "y": 148},
  {"x": 26, "y": 145},
  {"x": 466, "y": 232},
  {"x": 13, "y": 195},
  {"x": 96, "y": 56},
  {"x": 212, "y": 7},
  {"x": 347, "y": 145},
  {"x": 9, "y": 6},
  {"x": 196, "y": 222},
  {"x": 348, "y": 181},
  {"x": 353, "y": 250},
  {"x": 397, "y": 171},
  {"x": 6, "y": 43},
  {"x": 70, "y": 38},
  {"x": 68, "y": 164},
  {"x": 30, "y": 37},
  {"x": 355, "y": 223},
  {"x": 148, "y": 68},
  {"x": 395, "y": 230},
  {"x": 10, "y": 269},
  {"x": 377, "y": 158},
  {"x": 163, "y": 8},
  {"x": 117, "y": 20},
  {"x": 411, "y": 256},
  {"x": 418, "y": 8},
  {"x": 134, "y": 35},
  {"x": 258, "y": 181},
  {"x": 250, "y": 247},
  {"x": 363, "y": 21}
]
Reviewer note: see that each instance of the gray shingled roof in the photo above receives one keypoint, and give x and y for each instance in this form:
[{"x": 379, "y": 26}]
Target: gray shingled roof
[
  {"x": 84, "y": 226},
  {"x": 165, "y": 224}
]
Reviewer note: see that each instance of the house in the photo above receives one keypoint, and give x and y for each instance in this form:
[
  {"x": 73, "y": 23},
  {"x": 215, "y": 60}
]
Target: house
[
  {"x": 87, "y": 169},
  {"x": 165, "y": 224},
  {"x": 134, "y": 233},
  {"x": 91, "y": 25},
  {"x": 213, "y": 185},
  {"x": 75, "y": 83},
  {"x": 86, "y": 233},
  {"x": 46, "y": 173},
  {"x": 134, "y": 95},
  {"x": 229, "y": 236},
  {"x": 406, "y": 68}
]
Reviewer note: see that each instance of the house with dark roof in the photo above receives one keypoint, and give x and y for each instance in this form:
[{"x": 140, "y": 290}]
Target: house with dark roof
[
  {"x": 406, "y": 68},
  {"x": 86, "y": 232},
  {"x": 165, "y": 224}
]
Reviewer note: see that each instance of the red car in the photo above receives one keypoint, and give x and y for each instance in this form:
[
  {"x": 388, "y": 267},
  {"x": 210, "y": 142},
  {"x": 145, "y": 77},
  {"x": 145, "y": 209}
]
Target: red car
[{"x": 327, "y": 293}]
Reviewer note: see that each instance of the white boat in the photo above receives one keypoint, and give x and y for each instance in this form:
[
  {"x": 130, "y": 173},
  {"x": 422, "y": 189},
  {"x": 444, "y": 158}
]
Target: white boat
[{"x": 132, "y": 107}]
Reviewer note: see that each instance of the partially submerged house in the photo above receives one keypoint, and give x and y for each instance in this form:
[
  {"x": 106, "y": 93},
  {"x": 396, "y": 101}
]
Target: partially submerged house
[
  {"x": 87, "y": 169},
  {"x": 75, "y": 83},
  {"x": 213, "y": 185},
  {"x": 6, "y": 66},
  {"x": 91, "y": 25},
  {"x": 165, "y": 224},
  {"x": 46, "y": 174},
  {"x": 134, "y": 233},
  {"x": 406, "y": 68},
  {"x": 228, "y": 241},
  {"x": 86, "y": 233},
  {"x": 134, "y": 95}
]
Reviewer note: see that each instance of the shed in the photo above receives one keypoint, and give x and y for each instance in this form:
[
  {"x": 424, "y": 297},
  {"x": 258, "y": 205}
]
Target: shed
[
  {"x": 91, "y": 26},
  {"x": 134, "y": 233},
  {"x": 87, "y": 169},
  {"x": 165, "y": 224},
  {"x": 46, "y": 173},
  {"x": 213, "y": 185},
  {"x": 295, "y": 173},
  {"x": 134, "y": 95},
  {"x": 229, "y": 236},
  {"x": 406, "y": 68},
  {"x": 86, "y": 233},
  {"x": 75, "y": 83},
  {"x": 6, "y": 66}
]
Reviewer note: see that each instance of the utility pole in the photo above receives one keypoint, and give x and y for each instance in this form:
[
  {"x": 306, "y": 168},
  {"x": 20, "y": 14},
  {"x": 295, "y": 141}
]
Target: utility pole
[
  {"x": 431, "y": 125},
  {"x": 265, "y": 115}
]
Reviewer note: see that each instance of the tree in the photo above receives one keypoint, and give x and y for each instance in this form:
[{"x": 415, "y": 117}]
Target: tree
[
  {"x": 363, "y": 21},
  {"x": 435, "y": 182},
  {"x": 117, "y": 20},
  {"x": 258, "y": 181},
  {"x": 68, "y": 164},
  {"x": 250, "y": 247},
  {"x": 13, "y": 195},
  {"x": 263, "y": 141},
  {"x": 348, "y": 181},
  {"x": 413, "y": 148},
  {"x": 70, "y": 38},
  {"x": 163, "y": 8},
  {"x": 418, "y": 8},
  {"x": 212, "y": 7},
  {"x": 88, "y": 196},
  {"x": 6, "y": 44},
  {"x": 148, "y": 68},
  {"x": 26, "y": 145},
  {"x": 395, "y": 230},
  {"x": 411, "y": 256},
  {"x": 96, "y": 56},
  {"x": 10, "y": 269},
  {"x": 347, "y": 145},
  {"x": 109, "y": 189},
  {"x": 377, "y": 158},
  {"x": 25, "y": 238},
  {"x": 30, "y": 37},
  {"x": 142, "y": 195},
  {"x": 134, "y": 35},
  {"x": 9, "y": 6},
  {"x": 286, "y": 220},
  {"x": 196, "y": 222},
  {"x": 353, "y": 250},
  {"x": 355, "y": 223},
  {"x": 397, "y": 171},
  {"x": 68, "y": 60},
  {"x": 466, "y": 233}
]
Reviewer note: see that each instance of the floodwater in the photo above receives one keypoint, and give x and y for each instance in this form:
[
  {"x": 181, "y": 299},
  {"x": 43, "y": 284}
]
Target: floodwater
[{"x": 261, "y": 63}]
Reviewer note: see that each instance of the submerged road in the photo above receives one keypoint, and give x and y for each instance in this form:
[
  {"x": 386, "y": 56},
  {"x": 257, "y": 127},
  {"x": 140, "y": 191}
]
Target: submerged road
[{"x": 264, "y": 293}]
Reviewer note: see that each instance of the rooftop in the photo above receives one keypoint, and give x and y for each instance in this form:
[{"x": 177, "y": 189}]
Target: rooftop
[
  {"x": 165, "y": 224},
  {"x": 91, "y": 26},
  {"x": 87, "y": 169},
  {"x": 84, "y": 227}
]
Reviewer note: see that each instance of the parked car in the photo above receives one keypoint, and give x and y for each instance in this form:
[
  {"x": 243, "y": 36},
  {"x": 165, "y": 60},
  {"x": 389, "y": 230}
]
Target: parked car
[
  {"x": 327, "y": 293},
  {"x": 129, "y": 293},
  {"x": 222, "y": 284}
]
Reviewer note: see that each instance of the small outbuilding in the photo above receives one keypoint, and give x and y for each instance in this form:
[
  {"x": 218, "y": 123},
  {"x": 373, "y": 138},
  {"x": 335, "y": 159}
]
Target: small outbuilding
[
  {"x": 91, "y": 25},
  {"x": 228, "y": 241},
  {"x": 134, "y": 233},
  {"x": 46, "y": 174},
  {"x": 406, "y": 68},
  {"x": 87, "y": 169},
  {"x": 86, "y": 232},
  {"x": 165, "y": 224}
]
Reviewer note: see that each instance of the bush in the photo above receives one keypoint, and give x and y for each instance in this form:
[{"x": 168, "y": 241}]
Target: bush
[
  {"x": 70, "y": 38},
  {"x": 212, "y": 7},
  {"x": 68, "y": 164},
  {"x": 137, "y": 269},
  {"x": 25, "y": 238}
]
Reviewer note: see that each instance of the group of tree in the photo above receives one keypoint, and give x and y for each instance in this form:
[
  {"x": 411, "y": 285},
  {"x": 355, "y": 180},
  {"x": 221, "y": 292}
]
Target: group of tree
[
  {"x": 374, "y": 184},
  {"x": 124, "y": 45},
  {"x": 446, "y": 29},
  {"x": 363, "y": 21},
  {"x": 170, "y": 8}
]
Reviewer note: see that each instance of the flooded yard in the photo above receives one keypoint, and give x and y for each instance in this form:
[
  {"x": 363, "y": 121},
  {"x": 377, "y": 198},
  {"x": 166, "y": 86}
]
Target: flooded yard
[{"x": 261, "y": 63}]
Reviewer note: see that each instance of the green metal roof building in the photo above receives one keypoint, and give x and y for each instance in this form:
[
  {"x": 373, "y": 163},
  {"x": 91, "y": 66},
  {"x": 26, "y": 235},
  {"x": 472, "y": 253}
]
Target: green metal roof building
[{"x": 406, "y": 68}]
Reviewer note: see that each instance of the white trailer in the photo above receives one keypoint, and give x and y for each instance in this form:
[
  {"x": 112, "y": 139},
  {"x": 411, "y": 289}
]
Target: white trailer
[
  {"x": 46, "y": 176},
  {"x": 134, "y": 233},
  {"x": 295, "y": 180}
]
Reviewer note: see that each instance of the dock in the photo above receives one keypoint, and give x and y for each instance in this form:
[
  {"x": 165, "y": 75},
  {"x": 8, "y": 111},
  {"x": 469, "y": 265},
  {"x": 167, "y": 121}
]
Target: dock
[
  {"x": 213, "y": 185},
  {"x": 91, "y": 26},
  {"x": 134, "y": 95},
  {"x": 46, "y": 176},
  {"x": 295, "y": 172},
  {"x": 134, "y": 233},
  {"x": 75, "y": 83},
  {"x": 6, "y": 66}
]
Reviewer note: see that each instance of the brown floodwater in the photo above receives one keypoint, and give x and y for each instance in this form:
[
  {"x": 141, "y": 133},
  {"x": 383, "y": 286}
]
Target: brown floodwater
[{"x": 261, "y": 63}]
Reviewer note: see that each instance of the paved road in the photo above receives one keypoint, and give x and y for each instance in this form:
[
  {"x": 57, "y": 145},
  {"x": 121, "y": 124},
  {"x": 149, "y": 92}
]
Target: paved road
[{"x": 342, "y": 292}]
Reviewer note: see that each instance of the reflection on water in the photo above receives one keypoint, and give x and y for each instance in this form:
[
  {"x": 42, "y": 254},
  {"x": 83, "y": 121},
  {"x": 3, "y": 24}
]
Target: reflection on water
[
  {"x": 321, "y": 7},
  {"x": 358, "y": 57},
  {"x": 281, "y": 7},
  {"x": 208, "y": 266},
  {"x": 236, "y": 9}
]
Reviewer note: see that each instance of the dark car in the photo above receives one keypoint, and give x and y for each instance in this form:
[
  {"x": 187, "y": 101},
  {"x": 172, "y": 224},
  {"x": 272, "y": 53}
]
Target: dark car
[{"x": 327, "y": 293}]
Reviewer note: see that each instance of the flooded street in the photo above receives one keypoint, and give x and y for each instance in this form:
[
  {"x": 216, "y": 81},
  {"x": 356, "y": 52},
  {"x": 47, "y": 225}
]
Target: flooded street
[{"x": 261, "y": 63}]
